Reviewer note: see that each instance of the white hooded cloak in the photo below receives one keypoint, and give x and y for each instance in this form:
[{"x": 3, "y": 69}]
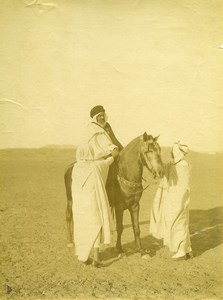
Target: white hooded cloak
[
  {"x": 170, "y": 210},
  {"x": 91, "y": 212}
]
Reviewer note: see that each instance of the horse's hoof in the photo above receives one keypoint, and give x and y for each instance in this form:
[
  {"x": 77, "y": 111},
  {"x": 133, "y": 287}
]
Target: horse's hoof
[
  {"x": 146, "y": 256},
  {"x": 70, "y": 245}
]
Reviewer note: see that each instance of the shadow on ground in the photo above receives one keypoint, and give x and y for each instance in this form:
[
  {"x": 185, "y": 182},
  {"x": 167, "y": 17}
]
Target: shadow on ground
[{"x": 206, "y": 229}]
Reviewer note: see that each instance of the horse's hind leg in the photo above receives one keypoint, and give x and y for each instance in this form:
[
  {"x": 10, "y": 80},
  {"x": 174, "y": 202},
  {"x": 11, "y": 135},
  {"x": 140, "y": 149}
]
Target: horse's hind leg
[
  {"x": 119, "y": 228},
  {"x": 70, "y": 223}
]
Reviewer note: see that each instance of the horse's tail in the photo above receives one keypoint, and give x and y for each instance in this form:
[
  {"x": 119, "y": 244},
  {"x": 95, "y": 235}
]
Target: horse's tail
[{"x": 69, "y": 213}]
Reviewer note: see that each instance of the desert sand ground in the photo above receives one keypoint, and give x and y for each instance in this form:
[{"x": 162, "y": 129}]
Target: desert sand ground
[{"x": 35, "y": 262}]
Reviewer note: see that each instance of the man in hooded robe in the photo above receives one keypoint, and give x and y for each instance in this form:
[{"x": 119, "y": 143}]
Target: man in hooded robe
[
  {"x": 100, "y": 118},
  {"x": 170, "y": 210},
  {"x": 91, "y": 212},
  {"x": 99, "y": 122}
]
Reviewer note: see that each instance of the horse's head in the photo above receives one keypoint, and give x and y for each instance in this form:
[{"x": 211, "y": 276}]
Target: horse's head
[{"x": 150, "y": 154}]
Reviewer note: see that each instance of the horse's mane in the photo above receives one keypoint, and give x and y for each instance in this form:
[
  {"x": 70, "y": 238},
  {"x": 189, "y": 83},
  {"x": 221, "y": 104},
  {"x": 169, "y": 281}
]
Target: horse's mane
[{"x": 130, "y": 146}]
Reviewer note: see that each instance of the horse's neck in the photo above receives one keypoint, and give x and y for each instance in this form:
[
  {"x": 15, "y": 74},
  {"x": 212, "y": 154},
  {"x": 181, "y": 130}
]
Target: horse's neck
[{"x": 129, "y": 166}]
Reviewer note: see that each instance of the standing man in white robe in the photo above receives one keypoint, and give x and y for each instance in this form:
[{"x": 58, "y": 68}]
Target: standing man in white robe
[
  {"x": 91, "y": 212},
  {"x": 170, "y": 211}
]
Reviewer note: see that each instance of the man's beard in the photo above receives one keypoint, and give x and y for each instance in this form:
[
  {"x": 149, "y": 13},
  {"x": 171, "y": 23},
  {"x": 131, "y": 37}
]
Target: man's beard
[{"x": 102, "y": 123}]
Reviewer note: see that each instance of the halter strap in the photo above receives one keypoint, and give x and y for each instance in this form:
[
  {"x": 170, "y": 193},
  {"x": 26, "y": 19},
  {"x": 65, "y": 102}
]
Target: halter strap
[{"x": 147, "y": 163}]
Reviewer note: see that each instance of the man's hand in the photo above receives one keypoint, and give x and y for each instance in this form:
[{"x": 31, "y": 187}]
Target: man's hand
[{"x": 115, "y": 152}]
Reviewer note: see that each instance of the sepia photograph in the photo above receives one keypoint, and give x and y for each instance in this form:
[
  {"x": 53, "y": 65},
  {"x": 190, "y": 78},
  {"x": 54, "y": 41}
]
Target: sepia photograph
[{"x": 111, "y": 149}]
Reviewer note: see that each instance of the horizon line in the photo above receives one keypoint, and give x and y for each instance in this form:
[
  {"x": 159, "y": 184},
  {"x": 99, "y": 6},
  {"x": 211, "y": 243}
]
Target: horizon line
[{"x": 70, "y": 146}]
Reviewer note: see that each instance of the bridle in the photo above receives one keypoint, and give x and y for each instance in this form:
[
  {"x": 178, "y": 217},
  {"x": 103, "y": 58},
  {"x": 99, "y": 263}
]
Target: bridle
[
  {"x": 133, "y": 188},
  {"x": 145, "y": 161}
]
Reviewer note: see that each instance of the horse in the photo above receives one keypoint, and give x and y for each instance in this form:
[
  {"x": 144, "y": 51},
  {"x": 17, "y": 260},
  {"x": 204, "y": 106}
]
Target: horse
[{"x": 124, "y": 185}]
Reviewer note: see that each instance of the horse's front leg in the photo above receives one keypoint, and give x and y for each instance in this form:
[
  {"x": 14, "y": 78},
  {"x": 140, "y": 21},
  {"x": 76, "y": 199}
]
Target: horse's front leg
[
  {"x": 119, "y": 228},
  {"x": 134, "y": 212}
]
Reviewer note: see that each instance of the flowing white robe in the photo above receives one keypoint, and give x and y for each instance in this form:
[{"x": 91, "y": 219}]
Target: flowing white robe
[
  {"x": 170, "y": 210},
  {"x": 91, "y": 211}
]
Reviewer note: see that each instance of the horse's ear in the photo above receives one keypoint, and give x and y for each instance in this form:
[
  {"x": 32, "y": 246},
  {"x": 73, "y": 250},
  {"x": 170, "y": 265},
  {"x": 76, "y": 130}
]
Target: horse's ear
[
  {"x": 156, "y": 138},
  {"x": 145, "y": 136}
]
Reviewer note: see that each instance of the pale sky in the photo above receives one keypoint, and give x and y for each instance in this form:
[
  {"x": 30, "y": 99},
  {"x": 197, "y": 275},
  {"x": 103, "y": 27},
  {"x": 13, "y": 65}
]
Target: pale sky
[{"x": 155, "y": 66}]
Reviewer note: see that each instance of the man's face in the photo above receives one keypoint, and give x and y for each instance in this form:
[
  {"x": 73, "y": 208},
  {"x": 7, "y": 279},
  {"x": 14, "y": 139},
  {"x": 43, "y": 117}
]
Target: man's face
[{"x": 101, "y": 119}]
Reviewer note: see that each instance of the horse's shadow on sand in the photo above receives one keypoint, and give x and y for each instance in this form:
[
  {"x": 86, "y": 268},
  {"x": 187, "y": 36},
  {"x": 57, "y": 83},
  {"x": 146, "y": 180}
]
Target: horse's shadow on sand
[{"x": 206, "y": 230}]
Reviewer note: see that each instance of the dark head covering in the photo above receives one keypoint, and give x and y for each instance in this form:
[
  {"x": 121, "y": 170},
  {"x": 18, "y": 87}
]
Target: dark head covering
[{"x": 96, "y": 110}]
